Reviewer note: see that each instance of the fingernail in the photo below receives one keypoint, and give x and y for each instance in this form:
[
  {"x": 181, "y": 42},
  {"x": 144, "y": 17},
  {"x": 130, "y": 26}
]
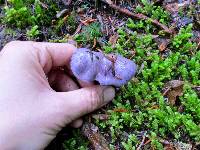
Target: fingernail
[{"x": 108, "y": 93}]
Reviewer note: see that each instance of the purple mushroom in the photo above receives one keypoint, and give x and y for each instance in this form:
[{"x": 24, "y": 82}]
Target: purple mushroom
[{"x": 109, "y": 69}]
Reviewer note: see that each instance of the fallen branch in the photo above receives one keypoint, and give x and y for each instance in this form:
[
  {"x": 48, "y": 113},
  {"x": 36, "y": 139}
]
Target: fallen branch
[
  {"x": 97, "y": 140},
  {"x": 138, "y": 16},
  {"x": 78, "y": 29},
  {"x": 142, "y": 143}
]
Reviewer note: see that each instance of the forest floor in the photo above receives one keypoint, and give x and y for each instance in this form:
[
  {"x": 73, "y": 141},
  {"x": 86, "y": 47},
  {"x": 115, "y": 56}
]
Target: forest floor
[{"x": 160, "y": 107}]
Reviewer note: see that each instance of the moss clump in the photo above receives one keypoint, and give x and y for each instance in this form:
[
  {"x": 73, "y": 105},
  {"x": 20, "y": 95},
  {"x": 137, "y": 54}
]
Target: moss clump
[
  {"x": 23, "y": 13},
  {"x": 77, "y": 142},
  {"x": 89, "y": 33},
  {"x": 141, "y": 104},
  {"x": 147, "y": 108}
]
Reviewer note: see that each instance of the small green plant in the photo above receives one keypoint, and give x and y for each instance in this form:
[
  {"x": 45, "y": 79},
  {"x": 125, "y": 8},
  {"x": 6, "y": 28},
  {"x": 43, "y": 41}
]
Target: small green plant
[
  {"x": 131, "y": 142},
  {"x": 68, "y": 23},
  {"x": 33, "y": 32},
  {"x": 181, "y": 40},
  {"x": 20, "y": 14},
  {"x": 155, "y": 142},
  {"x": 77, "y": 142},
  {"x": 71, "y": 22},
  {"x": 153, "y": 112},
  {"x": 191, "y": 102},
  {"x": 155, "y": 12},
  {"x": 19, "y": 17},
  {"x": 45, "y": 14},
  {"x": 89, "y": 33}
]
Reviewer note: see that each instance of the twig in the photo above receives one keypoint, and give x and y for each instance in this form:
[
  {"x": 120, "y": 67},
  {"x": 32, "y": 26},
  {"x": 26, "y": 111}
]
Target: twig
[
  {"x": 142, "y": 143},
  {"x": 101, "y": 22},
  {"x": 166, "y": 91},
  {"x": 67, "y": 2},
  {"x": 97, "y": 140},
  {"x": 78, "y": 29},
  {"x": 147, "y": 142},
  {"x": 141, "y": 68},
  {"x": 6, "y": 2},
  {"x": 138, "y": 16}
]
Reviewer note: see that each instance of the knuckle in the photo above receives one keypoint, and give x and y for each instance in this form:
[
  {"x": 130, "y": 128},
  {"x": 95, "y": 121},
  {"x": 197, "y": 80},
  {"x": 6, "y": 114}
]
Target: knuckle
[
  {"x": 95, "y": 99},
  {"x": 18, "y": 43},
  {"x": 16, "y": 46},
  {"x": 11, "y": 44}
]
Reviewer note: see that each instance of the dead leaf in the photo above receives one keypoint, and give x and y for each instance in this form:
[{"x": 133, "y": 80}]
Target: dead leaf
[
  {"x": 169, "y": 147},
  {"x": 100, "y": 116},
  {"x": 172, "y": 89},
  {"x": 154, "y": 107},
  {"x": 162, "y": 43},
  {"x": 174, "y": 83},
  {"x": 113, "y": 39},
  {"x": 120, "y": 110},
  {"x": 88, "y": 21},
  {"x": 94, "y": 43},
  {"x": 135, "y": 80},
  {"x": 173, "y": 94},
  {"x": 172, "y": 7},
  {"x": 162, "y": 46},
  {"x": 97, "y": 140}
]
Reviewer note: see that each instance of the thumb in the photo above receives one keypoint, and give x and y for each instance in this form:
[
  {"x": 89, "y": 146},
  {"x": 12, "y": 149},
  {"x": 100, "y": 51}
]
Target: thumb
[{"x": 75, "y": 104}]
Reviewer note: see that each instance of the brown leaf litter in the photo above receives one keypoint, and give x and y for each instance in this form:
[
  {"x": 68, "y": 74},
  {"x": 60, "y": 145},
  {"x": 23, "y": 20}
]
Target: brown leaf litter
[{"x": 172, "y": 90}]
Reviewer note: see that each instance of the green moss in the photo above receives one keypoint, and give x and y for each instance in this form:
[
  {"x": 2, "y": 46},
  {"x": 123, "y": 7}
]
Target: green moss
[
  {"x": 33, "y": 32},
  {"x": 143, "y": 95},
  {"x": 68, "y": 23},
  {"x": 77, "y": 142},
  {"x": 71, "y": 22},
  {"x": 131, "y": 142},
  {"x": 20, "y": 13},
  {"x": 182, "y": 40},
  {"x": 142, "y": 101},
  {"x": 155, "y": 12},
  {"x": 18, "y": 17},
  {"x": 89, "y": 33}
]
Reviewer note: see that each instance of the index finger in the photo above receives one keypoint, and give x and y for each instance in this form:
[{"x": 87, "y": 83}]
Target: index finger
[{"x": 53, "y": 54}]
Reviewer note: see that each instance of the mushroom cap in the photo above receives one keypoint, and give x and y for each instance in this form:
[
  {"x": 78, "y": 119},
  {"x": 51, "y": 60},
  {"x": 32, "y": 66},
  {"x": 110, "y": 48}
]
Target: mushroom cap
[{"x": 92, "y": 66}]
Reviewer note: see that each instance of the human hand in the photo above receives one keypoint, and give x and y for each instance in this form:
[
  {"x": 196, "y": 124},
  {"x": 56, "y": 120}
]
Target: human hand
[{"x": 31, "y": 112}]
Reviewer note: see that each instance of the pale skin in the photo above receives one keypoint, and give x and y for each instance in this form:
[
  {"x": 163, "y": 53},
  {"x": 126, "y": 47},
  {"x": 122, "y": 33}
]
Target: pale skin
[{"x": 31, "y": 111}]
